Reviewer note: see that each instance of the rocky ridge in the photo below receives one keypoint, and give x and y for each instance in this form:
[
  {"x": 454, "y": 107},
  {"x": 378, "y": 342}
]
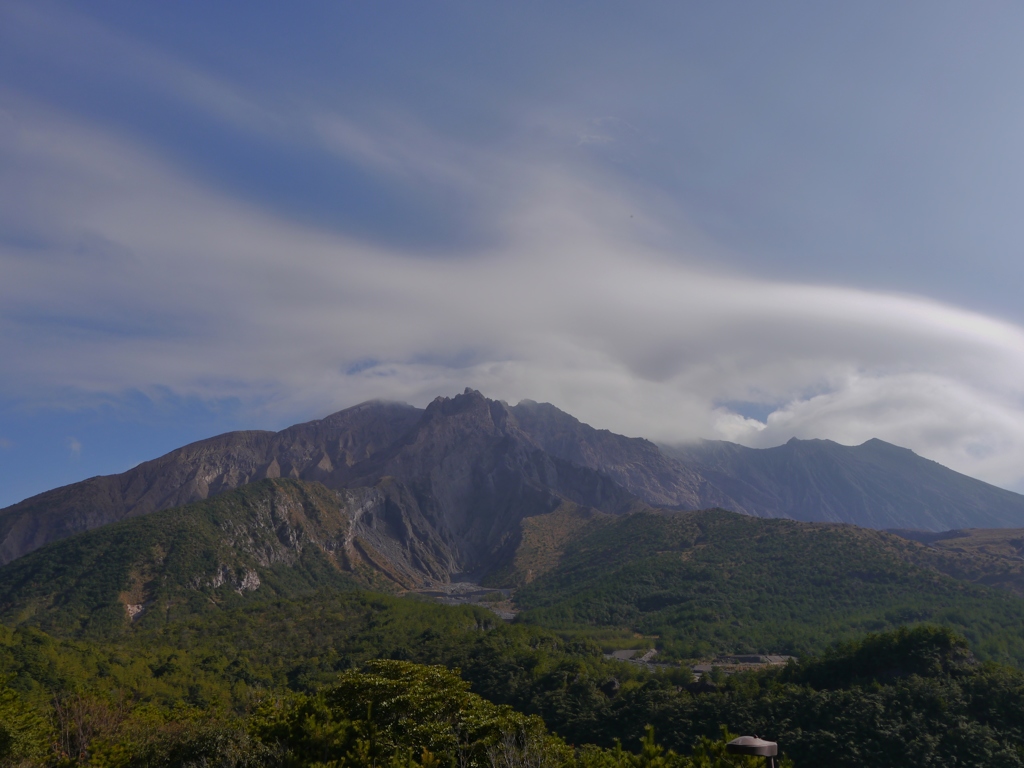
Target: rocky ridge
[{"x": 457, "y": 479}]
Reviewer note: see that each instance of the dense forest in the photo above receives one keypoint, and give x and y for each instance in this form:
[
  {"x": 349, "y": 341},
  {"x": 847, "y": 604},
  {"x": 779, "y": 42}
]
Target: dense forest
[{"x": 365, "y": 679}]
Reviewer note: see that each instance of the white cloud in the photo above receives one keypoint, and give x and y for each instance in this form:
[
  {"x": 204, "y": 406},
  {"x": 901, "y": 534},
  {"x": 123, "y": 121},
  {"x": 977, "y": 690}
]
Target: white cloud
[
  {"x": 144, "y": 279},
  {"x": 74, "y": 447}
]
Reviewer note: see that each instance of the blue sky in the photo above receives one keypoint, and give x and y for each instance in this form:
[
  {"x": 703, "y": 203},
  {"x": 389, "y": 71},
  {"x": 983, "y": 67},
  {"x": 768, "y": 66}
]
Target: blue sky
[{"x": 727, "y": 220}]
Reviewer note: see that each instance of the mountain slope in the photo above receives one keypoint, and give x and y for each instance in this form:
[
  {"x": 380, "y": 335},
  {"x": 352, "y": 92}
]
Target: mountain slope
[
  {"x": 277, "y": 537},
  {"x": 411, "y": 525},
  {"x": 873, "y": 485},
  {"x": 475, "y": 475},
  {"x": 636, "y": 464},
  {"x": 271, "y": 538}
]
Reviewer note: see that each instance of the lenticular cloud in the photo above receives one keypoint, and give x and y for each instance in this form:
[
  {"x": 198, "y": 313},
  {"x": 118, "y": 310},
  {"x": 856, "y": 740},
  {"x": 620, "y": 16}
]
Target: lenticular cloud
[{"x": 137, "y": 276}]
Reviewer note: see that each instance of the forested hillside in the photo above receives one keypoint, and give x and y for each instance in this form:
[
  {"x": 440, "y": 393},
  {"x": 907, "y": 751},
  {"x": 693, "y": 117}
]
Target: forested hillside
[
  {"x": 993, "y": 556},
  {"x": 717, "y": 582}
]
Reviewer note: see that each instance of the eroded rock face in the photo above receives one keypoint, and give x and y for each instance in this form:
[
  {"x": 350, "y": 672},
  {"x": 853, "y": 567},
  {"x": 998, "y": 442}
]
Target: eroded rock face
[
  {"x": 249, "y": 582},
  {"x": 441, "y": 490},
  {"x": 467, "y": 472},
  {"x": 200, "y": 470}
]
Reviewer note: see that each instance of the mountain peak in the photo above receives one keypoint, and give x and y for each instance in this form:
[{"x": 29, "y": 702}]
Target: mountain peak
[
  {"x": 470, "y": 404},
  {"x": 877, "y": 444}
]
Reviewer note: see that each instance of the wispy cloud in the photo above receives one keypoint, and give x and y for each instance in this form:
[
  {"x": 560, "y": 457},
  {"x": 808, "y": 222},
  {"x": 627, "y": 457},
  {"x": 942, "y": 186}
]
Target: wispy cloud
[{"x": 74, "y": 447}]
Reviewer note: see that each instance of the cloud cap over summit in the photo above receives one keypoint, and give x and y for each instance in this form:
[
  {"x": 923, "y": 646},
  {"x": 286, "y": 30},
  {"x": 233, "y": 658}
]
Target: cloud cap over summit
[{"x": 675, "y": 223}]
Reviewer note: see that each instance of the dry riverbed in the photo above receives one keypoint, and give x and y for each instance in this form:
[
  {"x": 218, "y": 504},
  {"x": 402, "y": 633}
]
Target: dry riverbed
[{"x": 498, "y": 601}]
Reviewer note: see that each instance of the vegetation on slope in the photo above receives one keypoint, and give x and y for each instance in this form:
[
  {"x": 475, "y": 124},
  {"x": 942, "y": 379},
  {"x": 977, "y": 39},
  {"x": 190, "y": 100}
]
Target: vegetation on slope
[
  {"x": 714, "y": 581},
  {"x": 543, "y": 541},
  {"x": 276, "y": 537},
  {"x": 700, "y": 583},
  {"x": 990, "y": 556}
]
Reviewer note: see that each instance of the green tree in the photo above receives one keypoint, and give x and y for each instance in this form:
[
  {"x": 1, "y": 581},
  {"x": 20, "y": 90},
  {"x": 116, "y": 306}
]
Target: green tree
[
  {"x": 394, "y": 709},
  {"x": 24, "y": 732}
]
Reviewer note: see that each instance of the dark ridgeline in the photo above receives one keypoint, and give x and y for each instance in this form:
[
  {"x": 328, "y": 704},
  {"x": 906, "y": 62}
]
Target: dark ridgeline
[
  {"x": 468, "y": 469},
  {"x": 449, "y": 483}
]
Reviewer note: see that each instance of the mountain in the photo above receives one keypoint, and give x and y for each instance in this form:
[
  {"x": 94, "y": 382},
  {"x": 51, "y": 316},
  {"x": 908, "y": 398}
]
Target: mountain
[
  {"x": 873, "y": 485},
  {"x": 445, "y": 497},
  {"x": 460, "y": 469},
  {"x": 233, "y": 569},
  {"x": 469, "y": 470},
  {"x": 469, "y": 488}
]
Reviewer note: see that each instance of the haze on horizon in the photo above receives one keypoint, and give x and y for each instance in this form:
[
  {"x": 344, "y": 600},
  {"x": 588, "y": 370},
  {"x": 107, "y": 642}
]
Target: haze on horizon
[{"x": 728, "y": 221}]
